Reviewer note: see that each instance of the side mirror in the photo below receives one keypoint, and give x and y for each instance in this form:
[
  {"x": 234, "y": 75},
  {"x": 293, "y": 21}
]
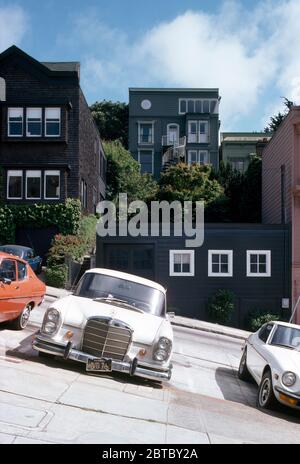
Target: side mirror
[
  {"x": 171, "y": 315},
  {"x": 5, "y": 280}
]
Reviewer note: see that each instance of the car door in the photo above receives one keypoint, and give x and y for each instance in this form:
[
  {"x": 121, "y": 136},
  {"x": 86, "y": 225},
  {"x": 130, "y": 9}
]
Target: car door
[
  {"x": 256, "y": 355},
  {"x": 9, "y": 290}
]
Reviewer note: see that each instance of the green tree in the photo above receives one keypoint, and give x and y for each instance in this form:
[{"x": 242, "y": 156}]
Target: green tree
[
  {"x": 277, "y": 119},
  {"x": 111, "y": 119},
  {"x": 124, "y": 176},
  {"x": 250, "y": 200},
  {"x": 193, "y": 183},
  {"x": 232, "y": 181}
]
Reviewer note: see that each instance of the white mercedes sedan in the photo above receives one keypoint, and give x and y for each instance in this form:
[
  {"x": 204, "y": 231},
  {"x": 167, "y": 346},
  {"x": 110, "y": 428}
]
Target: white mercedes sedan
[
  {"x": 113, "y": 322},
  {"x": 271, "y": 356}
]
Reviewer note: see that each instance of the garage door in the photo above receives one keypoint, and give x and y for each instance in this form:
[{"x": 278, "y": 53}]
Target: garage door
[{"x": 135, "y": 259}]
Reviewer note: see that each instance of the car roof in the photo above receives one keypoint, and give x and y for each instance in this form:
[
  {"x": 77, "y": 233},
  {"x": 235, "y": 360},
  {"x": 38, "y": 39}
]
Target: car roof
[
  {"x": 18, "y": 247},
  {"x": 9, "y": 255},
  {"x": 130, "y": 277}
]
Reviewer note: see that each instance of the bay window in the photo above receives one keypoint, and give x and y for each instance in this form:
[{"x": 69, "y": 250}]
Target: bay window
[
  {"x": 34, "y": 122},
  {"x": 52, "y": 122}
]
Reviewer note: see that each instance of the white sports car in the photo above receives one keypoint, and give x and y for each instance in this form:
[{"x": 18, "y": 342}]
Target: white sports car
[
  {"x": 272, "y": 357},
  {"x": 113, "y": 322}
]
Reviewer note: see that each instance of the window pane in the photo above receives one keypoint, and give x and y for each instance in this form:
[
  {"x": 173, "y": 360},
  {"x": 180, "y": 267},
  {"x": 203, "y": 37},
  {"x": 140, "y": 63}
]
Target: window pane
[
  {"x": 215, "y": 268},
  {"x": 224, "y": 268},
  {"x": 15, "y": 121},
  {"x": 182, "y": 106},
  {"x": 8, "y": 269},
  {"x": 14, "y": 184},
  {"x": 52, "y": 128},
  {"x": 186, "y": 267},
  {"x": 203, "y": 156},
  {"x": 191, "y": 106},
  {"x": 262, "y": 268},
  {"x": 34, "y": 121},
  {"x": 198, "y": 106},
  {"x": 253, "y": 259},
  {"x": 22, "y": 270},
  {"x": 177, "y": 267},
  {"x": 52, "y": 117},
  {"x": 215, "y": 258},
  {"x": 33, "y": 184},
  {"x": 253, "y": 268},
  {"x": 186, "y": 258},
  {"x": 202, "y": 128},
  {"x": 146, "y": 161},
  {"x": 212, "y": 105},
  {"x": 262, "y": 259},
  {"x": 224, "y": 259},
  {"x": 177, "y": 258},
  {"x": 205, "y": 106},
  {"x": 52, "y": 184},
  {"x": 146, "y": 133}
]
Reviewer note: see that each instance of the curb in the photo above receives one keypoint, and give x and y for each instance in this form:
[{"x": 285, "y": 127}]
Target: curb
[{"x": 214, "y": 331}]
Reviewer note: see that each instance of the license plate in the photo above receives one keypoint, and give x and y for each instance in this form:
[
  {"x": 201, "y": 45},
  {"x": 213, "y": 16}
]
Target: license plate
[{"x": 99, "y": 365}]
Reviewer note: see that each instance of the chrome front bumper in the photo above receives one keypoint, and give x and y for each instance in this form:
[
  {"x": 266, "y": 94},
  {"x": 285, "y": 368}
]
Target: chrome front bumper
[{"x": 132, "y": 368}]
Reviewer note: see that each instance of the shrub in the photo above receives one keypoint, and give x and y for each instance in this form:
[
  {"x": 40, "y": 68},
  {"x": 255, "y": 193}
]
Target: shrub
[
  {"x": 57, "y": 276},
  {"x": 257, "y": 318},
  {"x": 221, "y": 306}
]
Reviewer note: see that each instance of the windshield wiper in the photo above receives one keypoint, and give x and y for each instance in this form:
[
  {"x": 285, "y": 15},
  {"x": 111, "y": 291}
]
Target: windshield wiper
[{"x": 117, "y": 300}]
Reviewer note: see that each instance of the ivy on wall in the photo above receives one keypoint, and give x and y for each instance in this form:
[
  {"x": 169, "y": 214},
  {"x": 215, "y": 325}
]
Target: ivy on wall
[{"x": 66, "y": 216}]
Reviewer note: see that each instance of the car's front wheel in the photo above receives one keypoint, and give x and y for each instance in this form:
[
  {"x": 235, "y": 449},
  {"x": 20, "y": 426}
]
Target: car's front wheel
[
  {"x": 265, "y": 396},
  {"x": 22, "y": 320},
  {"x": 243, "y": 372}
]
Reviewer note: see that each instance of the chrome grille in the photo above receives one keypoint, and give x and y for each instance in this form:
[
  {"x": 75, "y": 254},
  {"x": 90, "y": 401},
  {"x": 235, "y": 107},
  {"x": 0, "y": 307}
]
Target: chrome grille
[{"x": 106, "y": 338}]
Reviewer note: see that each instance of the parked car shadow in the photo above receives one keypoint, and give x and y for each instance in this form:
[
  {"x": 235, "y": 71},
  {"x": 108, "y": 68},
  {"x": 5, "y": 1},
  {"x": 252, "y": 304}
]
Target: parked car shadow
[{"x": 239, "y": 391}]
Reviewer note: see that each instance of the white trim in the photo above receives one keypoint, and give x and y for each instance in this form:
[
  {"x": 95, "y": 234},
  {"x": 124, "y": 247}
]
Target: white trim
[
  {"x": 8, "y": 127},
  {"x": 33, "y": 174},
  {"x": 229, "y": 253},
  {"x": 172, "y": 253},
  {"x": 14, "y": 173},
  {"x": 152, "y": 155},
  {"x": 139, "y": 132},
  {"x": 216, "y": 110},
  {"x": 51, "y": 173},
  {"x": 168, "y": 127},
  {"x": 41, "y": 121},
  {"x": 266, "y": 253},
  {"x": 45, "y": 124},
  {"x": 198, "y": 152}
]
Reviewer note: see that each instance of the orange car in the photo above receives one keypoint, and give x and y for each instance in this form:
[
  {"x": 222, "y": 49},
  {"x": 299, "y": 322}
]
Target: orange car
[{"x": 20, "y": 290}]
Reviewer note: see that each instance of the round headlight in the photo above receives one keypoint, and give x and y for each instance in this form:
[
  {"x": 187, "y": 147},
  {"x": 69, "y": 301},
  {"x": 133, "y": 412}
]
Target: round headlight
[
  {"x": 288, "y": 379},
  {"x": 52, "y": 315},
  {"x": 50, "y": 327},
  {"x": 160, "y": 355},
  {"x": 164, "y": 343}
]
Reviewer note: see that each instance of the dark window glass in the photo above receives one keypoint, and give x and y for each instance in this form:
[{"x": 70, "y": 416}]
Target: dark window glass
[
  {"x": 253, "y": 259},
  {"x": 142, "y": 259},
  {"x": 15, "y": 185},
  {"x": 224, "y": 268},
  {"x": 119, "y": 259},
  {"x": 177, "y": 267},
  {"x": 8, "y": 269},
  {"x": 215, "y": 268},
  {"x": 22, "y": 270},
  {"x": 191, "y": 106},
  {"x": 265, "y": 332},
  {"x": 185, "y": 267},
  {"x": 146, "y": 162},
  {"x": 198, "y": 106},
  {"x": 205, "y": 106},
  {"x": 52, "y": 185},
  {"x": 15, "y": 121},
  {"x": 33, "y": 186},
  {"x": 262, "y": 268},
  {"x": 224, "y": 259},
  {"x": 183, "y": 106}
]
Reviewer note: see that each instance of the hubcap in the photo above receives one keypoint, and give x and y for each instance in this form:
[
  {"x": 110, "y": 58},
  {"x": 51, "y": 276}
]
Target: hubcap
[
  {"x": 25, "y": 317},
  {"x": 265, "y": 392}
]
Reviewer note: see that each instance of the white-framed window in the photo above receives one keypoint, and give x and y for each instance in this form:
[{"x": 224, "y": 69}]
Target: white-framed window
[
  {"x": 238, "y": 165},
  {"x": 146, "y": 160},
  {"x": 15, "y": 122},
  {"x": 196, "y": 105},
  {"x": 258, "y": 263},
  {"x": 14, "y": 185},
  {"x": 52, "y": 122},
  {"x": 182, "y": 263},
  {"x": 172, "y": 133},
  {"x": 33, "y": 122},
  {"x": 52, "y": 185},
  {"x": 2, "y": 89},
  {"x": 198, "y": 132},
  {"x": 146, "y": 132},
  {"x": 220, "y": 263},
  {"x": 33, "y": 185},
  {"x": 198, "y": 157}
]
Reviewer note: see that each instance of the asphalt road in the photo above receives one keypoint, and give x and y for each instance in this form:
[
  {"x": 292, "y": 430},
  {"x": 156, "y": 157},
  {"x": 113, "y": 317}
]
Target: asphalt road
[{"x": 57, "y": 402}]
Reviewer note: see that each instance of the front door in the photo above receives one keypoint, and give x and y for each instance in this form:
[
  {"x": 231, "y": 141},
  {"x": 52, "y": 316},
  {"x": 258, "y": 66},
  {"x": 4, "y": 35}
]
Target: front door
[
  {"x": 134, "y": 259},
  {"x": 9, "y": 290}
]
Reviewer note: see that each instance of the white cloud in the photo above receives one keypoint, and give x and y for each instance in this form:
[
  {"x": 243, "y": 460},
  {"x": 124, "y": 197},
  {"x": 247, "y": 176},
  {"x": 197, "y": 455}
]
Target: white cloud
[
  {"x": 13, "y": 25},
  {"x": 244, "y": 53}
]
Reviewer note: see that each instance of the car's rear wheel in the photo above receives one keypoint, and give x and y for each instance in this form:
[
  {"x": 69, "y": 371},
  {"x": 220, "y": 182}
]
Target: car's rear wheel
[
  {"x": 265, "y": 396},
  {"x": 22, "y": 320},
  {"x": 243, "y": 372}
]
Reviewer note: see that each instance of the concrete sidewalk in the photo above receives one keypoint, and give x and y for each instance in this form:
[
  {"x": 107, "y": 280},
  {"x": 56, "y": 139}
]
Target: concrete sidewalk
[{"x": 177, "y": 320}]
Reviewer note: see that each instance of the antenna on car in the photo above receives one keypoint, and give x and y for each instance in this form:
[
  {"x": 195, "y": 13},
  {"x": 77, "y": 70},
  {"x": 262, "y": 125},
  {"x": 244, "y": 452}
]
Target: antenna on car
[{"x": 294, "y": 310}]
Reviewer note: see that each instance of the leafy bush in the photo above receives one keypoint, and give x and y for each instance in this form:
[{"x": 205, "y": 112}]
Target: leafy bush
[
  {"x": 221, "y": 306},
  {"x": 257, "y": 318},
  {"x": 66, "y": 216},
  {"x": 57, "y": 276},
  {"x": 87, "y": 230}
]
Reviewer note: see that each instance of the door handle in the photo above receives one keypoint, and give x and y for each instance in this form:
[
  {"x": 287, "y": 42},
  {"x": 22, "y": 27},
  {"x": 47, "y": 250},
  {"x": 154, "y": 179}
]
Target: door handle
[{"x": 17, "y": 287}]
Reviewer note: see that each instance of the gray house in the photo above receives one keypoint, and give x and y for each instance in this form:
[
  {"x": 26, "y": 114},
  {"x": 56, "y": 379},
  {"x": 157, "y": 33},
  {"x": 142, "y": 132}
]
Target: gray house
[
  {"x": 167, "y": 126},
  {"x": 251, "y": 260}
]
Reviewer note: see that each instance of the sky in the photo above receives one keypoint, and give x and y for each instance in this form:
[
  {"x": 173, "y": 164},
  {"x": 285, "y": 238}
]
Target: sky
[{"x": 249, "y": 49}]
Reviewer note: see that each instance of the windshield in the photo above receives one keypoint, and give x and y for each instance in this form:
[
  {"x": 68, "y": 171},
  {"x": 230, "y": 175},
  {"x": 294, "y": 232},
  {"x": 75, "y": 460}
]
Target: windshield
[
  {"x": 288, "y": 337},
  {"x": 12, "y": 251},
  {"x": 147, "y": 299}
]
